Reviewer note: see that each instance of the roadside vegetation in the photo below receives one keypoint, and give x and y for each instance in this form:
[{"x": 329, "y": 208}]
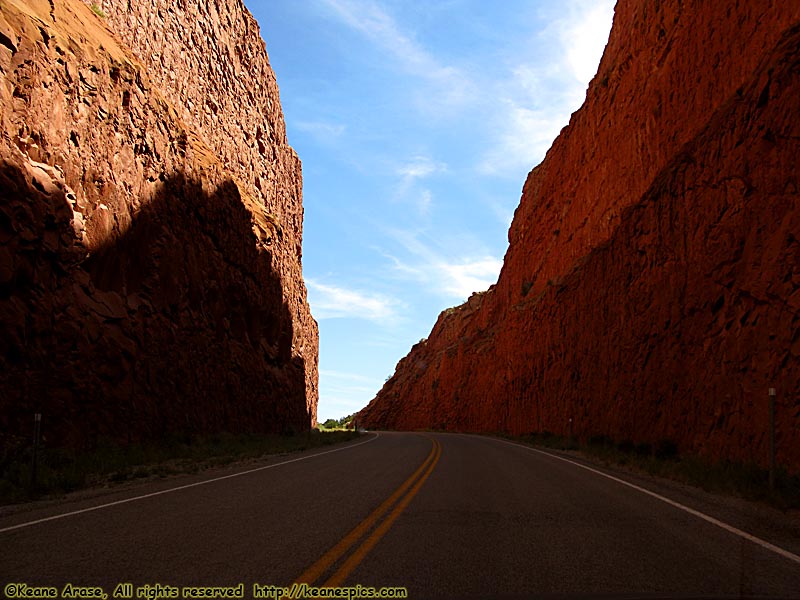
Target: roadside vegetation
[
  {"x": 663, "y": 460},
  {"x": 97, "y": 10},
  {"x": 61, "y": 470},
  {"x": 336, "y": 424}
]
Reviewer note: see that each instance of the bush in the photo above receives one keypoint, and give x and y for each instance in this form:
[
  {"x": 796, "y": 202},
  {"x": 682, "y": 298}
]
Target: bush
[
  {"x": 601, "y": 440},
  {"x": 626, "y": 446},
  {"x": 97, "y": 10},
  {"x": 666, "y": 449}
]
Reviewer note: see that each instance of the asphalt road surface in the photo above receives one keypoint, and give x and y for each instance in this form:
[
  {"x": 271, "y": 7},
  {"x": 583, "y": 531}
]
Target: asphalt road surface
[{"x": 443, "y": 515}]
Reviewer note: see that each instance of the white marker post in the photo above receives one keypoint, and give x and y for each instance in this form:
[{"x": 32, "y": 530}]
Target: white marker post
[{"x": 771, "y": 438}]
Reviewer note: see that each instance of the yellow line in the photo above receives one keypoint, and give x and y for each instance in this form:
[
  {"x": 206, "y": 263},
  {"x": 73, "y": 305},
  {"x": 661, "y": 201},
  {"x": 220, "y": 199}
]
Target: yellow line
[
  {"x": 311, "y": 574},
  {"x": 356, "y": 557}
]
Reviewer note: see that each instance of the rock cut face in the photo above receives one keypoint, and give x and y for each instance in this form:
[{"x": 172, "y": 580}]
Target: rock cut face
[
  {"x": 651, "y": 288},
  {"x": 150, "y": 231}
]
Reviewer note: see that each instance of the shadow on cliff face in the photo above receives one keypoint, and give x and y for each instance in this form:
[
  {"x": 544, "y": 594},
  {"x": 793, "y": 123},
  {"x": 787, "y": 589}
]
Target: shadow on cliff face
[{"x": 175, "y": 325}]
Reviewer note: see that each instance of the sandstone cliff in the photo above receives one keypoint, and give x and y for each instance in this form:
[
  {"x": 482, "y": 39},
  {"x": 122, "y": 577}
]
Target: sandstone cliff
[
  {"x": 651, "y": 288},
  {"x": 150, "y": 225}
]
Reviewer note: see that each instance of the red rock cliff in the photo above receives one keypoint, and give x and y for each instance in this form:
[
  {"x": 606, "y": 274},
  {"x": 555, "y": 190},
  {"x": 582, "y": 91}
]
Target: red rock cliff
[
  {"x": 651, "y": 288},
  {"x": 150, "y": 225}
]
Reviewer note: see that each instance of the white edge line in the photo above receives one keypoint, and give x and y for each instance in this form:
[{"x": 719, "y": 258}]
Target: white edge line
[
  {"x": 181, "y": 487},
  {"x": 729, "y": 528}
]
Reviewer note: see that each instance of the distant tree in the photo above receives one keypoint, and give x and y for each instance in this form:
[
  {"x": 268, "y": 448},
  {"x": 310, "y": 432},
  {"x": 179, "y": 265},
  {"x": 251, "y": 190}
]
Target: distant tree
[{"x": 331, "y": 424}]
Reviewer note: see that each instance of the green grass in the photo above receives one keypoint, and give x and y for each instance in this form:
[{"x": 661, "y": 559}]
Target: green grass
[
  {"x": 97, "y": 10},
  {"x": 62, "y": 470},
  {"x": 663, "y": 460}
]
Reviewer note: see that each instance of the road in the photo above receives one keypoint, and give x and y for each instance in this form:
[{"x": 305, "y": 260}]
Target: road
[{"x": 444, "y": 515}]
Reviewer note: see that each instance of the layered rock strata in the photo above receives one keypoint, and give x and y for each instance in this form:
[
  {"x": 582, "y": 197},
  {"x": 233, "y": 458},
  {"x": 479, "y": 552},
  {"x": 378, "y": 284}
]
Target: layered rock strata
[
  {"x": 651, "y": 288},
  {"x": 150, "y": 226}
]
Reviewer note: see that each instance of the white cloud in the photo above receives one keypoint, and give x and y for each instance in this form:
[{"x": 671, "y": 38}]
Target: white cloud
[
  {"x": 320, "y": 129},
  {"x": 452, "y": 278},
  {"x": 462, "y": 279},
  {"x": 526, "y": 136},
  {"x": 541, "y": 93},
  {"x": 453, "y": 87},
  {"x": 585, "y": 37},
  {"x": 368, "y": 18},
  {"x": 424, "y": 201},
  {"x": 333, "y": 302},
  {"x": 419, "y": 167}
]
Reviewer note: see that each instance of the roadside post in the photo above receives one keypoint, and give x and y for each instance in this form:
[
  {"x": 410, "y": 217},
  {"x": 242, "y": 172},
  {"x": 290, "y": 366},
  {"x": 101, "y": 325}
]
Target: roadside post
[
  {"x": 771, "y": 438},
  {"x": 37, "y": 430}
]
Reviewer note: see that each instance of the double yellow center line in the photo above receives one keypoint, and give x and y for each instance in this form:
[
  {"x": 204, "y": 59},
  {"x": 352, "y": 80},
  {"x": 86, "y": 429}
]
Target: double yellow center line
[{"x": 394, "y": 505}]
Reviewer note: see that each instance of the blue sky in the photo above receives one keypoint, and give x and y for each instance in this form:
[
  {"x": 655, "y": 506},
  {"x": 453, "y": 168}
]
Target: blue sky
[{"x": 417, "y": 123}]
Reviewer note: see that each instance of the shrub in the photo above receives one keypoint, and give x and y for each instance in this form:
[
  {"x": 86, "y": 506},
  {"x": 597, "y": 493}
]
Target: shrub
[
  {"x": 666, "y": 449},
  {"x": 97, "y": 10},
  {"x": 626, "y": 446},
  {"x": 601, "y": 440}
]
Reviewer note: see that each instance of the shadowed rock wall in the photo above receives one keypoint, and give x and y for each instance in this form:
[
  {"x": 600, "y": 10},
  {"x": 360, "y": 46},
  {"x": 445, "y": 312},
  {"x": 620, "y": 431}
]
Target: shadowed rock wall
[
  {"x": 146, "y": 285},
  {"x": 209, "y": 61}
]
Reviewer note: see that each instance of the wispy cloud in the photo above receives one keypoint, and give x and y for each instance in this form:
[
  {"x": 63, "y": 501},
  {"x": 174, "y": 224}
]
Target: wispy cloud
[
  {"x": 374, "y": 22},
  {"x": 334, "y": 302},
  {"x": 320, "y": 129},
  {"x": 419, "y": 167},
  {"x": 541, "y": 94},
  {"x": 343, "y": 376},
  {"x": 454, "y": 278},
  {"x": 411, "y": 172},
  {"x": 371, "y": 20},
  {"x": 522, "y": 140},
  {"x": 424, "y": 201},
  {"x": 343, "y": 393},
  {"x": 461, "y": 279},
  {"x": 585, "y": 37}
]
